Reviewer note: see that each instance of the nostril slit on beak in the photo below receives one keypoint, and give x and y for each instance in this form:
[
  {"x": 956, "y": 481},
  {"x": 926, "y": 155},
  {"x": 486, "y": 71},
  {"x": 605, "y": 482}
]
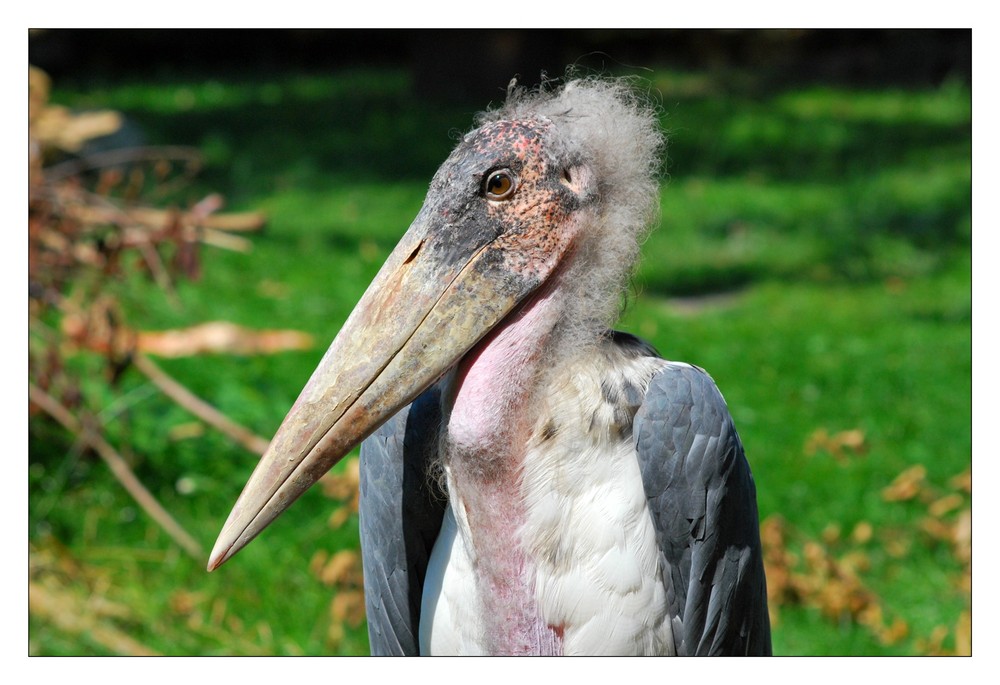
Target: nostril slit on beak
[
  {"x": 567, "y": 176},
  {"x": 414, "y": 253}
]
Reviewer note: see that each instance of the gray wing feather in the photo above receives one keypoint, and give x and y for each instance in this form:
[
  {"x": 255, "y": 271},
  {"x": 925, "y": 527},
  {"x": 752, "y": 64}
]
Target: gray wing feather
[
  {"x": 704, "y": 506},
  {"x": 400, "y": 517}
]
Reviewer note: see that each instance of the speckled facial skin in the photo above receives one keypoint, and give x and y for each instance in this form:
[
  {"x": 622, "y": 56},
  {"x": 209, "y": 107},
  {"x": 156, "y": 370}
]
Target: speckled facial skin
[{"x": 529, "y": 229}]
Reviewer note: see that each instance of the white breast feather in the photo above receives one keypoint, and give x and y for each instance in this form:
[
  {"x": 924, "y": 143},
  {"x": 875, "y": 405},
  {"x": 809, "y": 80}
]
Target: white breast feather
[
  {"x": 597, "y": 568},
  {"x": 449, "y": 613}
]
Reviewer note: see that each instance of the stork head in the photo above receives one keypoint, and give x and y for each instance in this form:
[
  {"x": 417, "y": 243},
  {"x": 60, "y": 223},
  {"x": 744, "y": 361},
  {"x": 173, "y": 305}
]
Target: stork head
[{"x": 558, "y": 183}]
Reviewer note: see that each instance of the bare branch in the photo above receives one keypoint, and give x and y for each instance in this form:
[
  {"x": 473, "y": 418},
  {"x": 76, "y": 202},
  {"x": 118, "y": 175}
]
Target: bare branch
[
  {"x": 118, "y": 467},
  {"x": 199, "y": 407},
  {"x": 110, "y": 158}
]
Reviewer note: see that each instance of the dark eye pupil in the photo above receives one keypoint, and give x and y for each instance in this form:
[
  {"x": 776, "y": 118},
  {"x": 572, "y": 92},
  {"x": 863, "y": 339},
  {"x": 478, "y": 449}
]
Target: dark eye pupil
[{"x": 499, "y": 184}]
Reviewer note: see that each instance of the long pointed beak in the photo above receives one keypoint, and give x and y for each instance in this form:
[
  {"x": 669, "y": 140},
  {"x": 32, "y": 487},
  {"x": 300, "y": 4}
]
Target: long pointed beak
[{"x": 434, "y": 298}]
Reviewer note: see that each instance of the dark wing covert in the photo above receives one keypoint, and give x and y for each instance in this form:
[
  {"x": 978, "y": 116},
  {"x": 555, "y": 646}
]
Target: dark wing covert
[
  {"x": 400, "y": 518},
  {"x": 704, "y": 505}
]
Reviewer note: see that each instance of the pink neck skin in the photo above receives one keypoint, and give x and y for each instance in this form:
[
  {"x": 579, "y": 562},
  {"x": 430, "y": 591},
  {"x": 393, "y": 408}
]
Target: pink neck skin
[{"x": 491, "y": 420}]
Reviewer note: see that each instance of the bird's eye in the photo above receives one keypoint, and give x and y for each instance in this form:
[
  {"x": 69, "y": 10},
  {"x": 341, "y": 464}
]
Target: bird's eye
[{"x": 499, "y": 185}]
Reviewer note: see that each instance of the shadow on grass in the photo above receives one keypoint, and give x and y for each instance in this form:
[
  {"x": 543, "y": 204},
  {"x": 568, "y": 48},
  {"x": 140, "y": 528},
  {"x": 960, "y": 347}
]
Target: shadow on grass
[{"x": 371, "y": 125}]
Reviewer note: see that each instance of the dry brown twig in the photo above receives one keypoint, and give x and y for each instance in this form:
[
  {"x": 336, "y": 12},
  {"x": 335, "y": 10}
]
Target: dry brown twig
[
  {"x": 119, "y": 467},
  {"x": 84, "y": 233},
  {"x": 199, "y": 407}
]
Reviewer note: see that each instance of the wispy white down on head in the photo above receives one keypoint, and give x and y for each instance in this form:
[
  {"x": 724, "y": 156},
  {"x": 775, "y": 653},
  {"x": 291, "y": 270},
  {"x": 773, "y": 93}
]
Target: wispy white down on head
[{"x": 608, "y": 125}]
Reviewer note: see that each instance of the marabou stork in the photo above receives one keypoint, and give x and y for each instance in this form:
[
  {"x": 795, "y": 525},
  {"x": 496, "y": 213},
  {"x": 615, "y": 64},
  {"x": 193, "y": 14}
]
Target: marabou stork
[{"x": 531, "y": 482}]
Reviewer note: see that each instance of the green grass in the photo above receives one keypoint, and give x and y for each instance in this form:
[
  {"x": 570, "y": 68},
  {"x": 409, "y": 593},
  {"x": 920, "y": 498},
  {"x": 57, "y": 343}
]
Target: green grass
[{"x": 814, "y": 257}]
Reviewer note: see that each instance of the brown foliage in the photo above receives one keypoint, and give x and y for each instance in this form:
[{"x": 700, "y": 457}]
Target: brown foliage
[
  {"x": 345, "y": 487},
  {"x": 837, "y": 445},
  {"x": 342, "y": 570},
  {"x": 829, "y": 574}
]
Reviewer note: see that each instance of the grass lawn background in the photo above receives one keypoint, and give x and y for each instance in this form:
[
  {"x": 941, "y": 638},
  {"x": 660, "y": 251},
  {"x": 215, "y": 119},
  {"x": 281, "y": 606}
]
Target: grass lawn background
[{"x": 814, "y": 256}]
